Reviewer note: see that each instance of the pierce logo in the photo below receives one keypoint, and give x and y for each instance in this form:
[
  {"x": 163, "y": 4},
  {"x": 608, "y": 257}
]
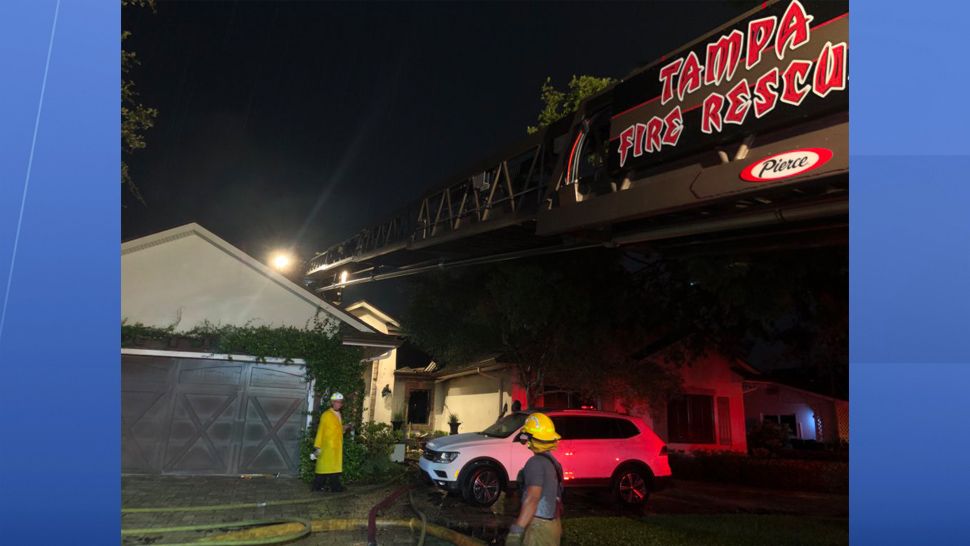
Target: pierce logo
[{"x": 786, "y": 165}]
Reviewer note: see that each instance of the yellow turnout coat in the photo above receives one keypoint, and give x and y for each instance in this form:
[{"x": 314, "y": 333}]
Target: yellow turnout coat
[{"x": 330, "y": 441}]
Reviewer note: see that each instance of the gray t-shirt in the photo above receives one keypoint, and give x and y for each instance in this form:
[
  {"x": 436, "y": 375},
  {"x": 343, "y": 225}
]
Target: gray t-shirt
[{"x": 542, "y": 471}]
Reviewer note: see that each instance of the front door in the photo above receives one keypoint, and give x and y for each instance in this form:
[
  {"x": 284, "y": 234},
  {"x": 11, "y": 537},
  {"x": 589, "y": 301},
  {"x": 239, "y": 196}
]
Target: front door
[{"x": 419, "y": 407}]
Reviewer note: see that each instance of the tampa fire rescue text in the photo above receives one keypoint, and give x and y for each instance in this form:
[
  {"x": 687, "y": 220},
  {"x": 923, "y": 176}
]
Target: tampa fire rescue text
[{"x": 765, "y": 36}]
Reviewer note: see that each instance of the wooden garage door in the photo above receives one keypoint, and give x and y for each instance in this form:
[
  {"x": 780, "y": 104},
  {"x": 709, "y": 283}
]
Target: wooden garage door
[{"x": 196, "y": 416}]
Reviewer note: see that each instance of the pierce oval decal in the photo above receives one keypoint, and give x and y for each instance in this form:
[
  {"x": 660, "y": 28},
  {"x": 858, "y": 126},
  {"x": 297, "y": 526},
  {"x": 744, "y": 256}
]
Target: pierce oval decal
[{"x": 786, "y": 165}]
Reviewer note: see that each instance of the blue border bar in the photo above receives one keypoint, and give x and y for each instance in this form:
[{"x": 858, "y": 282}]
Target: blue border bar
[
  {"x": 59, "y": 267},
  {"x": 910, "y": 279},
  {"x": 910, "y": 273}
]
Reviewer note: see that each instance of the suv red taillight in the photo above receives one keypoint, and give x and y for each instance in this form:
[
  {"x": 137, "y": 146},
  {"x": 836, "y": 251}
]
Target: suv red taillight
[{"x": 663, "y": 451}]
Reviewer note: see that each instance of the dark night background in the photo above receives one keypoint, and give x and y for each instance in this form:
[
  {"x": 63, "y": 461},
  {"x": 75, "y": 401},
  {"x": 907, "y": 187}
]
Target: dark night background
[{"x": 295, "y": 124}]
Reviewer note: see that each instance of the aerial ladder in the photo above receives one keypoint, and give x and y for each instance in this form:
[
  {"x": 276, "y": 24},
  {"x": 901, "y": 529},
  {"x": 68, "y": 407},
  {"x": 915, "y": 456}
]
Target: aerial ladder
[{"x": 734, "y": 142}]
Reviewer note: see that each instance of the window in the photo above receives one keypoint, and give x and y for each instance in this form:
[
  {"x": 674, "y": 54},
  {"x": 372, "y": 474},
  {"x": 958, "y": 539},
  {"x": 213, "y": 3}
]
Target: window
[
  {"x": 418, "y": 407},
  {"x": 593, "y": 428},
  {"x": 572, "y": 427},
  {"x": 690, "y": 419},
  {"x": 566, "y": 427},
  {"x": 557, "y": 398},
  {"x": 624, "y": 429},
  {"x": 786, "y": 420},
  {"x": 506, "y": 425}
]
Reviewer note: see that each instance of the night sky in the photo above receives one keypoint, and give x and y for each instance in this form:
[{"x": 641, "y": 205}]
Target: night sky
[{"x": 295, "y": 124}]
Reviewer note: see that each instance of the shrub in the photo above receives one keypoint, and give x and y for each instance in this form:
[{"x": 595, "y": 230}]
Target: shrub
[
  {"x": 307, "y": 465},
  {"x": 377, "y": 438},
  {"x": 355, "y": 457},
  {"x": 367, "y": 458},
  {"x": 768, "y": 435},
  {"x": 798, "y": 475}
]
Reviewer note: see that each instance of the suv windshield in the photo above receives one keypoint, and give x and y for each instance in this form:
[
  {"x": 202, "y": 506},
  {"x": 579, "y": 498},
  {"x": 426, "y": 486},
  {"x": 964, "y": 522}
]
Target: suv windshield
[{"x": 506, "y": 425}]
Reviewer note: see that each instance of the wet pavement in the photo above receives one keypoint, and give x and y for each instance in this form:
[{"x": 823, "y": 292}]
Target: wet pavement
[
  {"x": 683, "y": 497},
  {"x": 488, "y": 524},
  {"x": 171, "y": 491}
]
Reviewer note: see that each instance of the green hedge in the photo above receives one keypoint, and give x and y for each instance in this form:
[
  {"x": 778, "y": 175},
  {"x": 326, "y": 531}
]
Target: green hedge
[{"x": 798, "y": 475}]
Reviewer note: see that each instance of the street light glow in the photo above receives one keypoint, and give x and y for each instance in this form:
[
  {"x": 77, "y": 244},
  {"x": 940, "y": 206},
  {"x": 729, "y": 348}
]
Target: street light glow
[{"x": 281, "y": 261}]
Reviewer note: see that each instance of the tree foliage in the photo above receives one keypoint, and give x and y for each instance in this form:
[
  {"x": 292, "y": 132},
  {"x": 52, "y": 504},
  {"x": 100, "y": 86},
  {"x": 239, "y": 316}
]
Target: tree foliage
[
  {"x": 585, "y": 323},
  {"x": 136, "y": 118},
  {"x": 557, "y": 104},
  {"x": 795, "y": 300},
  {"x": 569, "y": 321}
]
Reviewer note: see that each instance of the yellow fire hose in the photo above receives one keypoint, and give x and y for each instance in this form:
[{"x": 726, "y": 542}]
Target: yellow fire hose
[
  {"x": 269, "y": 532},
  {"x": 281, "y": 530},
  {"x": 302, "y": 529},
  {"x": 424, "y": 518}
]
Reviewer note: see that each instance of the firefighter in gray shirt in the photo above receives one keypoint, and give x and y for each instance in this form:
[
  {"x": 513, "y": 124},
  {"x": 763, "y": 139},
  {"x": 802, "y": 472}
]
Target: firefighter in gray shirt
[{"x": 540, "y": 482}]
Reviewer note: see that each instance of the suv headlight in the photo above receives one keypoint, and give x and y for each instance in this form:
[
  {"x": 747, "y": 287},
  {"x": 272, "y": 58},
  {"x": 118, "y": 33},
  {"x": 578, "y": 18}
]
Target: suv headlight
[{"x": 445, "y": 456}]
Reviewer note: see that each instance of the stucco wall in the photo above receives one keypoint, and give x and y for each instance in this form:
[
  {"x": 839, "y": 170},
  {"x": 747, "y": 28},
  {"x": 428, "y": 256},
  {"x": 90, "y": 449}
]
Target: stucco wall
[
  {"x": 781, "y": 400},
  {"x": 711, "y": 375},
  {"x": 189, "y": 281},
  {"x": 383, "y": 405},
  {"x": 476, "y": 399}
]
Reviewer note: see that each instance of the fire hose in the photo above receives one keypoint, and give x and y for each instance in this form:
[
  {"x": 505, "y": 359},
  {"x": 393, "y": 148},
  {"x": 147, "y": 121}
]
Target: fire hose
[
  {"x": 372, "y": 515},
  {"x": 275, "y": 531}
]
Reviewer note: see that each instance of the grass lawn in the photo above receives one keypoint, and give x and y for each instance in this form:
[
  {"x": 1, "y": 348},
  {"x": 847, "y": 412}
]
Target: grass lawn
[{"x": 706, "y": 530}]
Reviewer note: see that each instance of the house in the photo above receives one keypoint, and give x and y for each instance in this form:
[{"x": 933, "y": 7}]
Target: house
[
  {"x": 477, "y": 393},
  {"x": 809, "y": 416},
  {"x": 406, "y": 381},
  {"x": 708, "y": 415},
  {"x": 188, "y": 411},
  {"x": 378, "y": 373}
]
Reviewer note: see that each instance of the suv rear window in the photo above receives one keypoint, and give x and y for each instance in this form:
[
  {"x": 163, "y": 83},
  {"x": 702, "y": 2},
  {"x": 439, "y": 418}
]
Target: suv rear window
[{"x": 624, "y": 428}]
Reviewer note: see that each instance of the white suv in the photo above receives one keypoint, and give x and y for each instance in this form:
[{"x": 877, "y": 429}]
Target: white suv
[{"x": 597, "y": 449}]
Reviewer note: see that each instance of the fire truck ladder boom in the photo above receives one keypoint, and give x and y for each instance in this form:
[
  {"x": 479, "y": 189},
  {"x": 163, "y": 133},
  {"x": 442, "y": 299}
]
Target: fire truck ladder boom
[{"x": 699, "y": 172}]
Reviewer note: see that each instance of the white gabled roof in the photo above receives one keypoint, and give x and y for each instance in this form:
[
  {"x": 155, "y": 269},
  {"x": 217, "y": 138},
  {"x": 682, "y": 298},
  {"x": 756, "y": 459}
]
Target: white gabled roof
[
  {"x": 796, "y": 389},
  {"x": 370, "y": 308},
  {"x": 195, "y": 230}
]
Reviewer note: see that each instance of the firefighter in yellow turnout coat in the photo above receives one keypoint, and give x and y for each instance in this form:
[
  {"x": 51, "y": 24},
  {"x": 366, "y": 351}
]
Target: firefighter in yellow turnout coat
[{"x": 329, "y": 444}]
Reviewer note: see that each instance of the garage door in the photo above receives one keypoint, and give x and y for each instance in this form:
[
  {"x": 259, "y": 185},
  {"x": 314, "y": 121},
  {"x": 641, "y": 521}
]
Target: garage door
[{"x": 199, "y": 416}]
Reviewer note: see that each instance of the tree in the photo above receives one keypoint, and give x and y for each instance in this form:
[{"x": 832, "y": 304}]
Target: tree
[
  {"x": 557, "y": 104},
  {"x": 136, "y": 118},
  {"x": 733, "y": 303},
  {"x": 569, "y": 320}
]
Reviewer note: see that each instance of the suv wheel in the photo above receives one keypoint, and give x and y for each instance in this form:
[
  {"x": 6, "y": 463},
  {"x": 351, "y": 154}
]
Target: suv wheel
[
  {"x": 631, "y": 485},
  {"x": 482, "y": 486}
]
